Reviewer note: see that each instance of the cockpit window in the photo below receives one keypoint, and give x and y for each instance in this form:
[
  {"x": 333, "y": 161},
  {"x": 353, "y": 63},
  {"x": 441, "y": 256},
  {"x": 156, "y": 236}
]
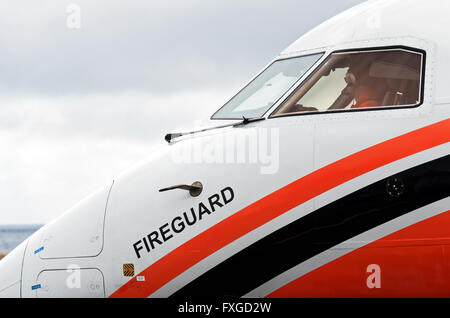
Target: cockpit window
[
  {"x": 359, "y": 80},
  {"x": 267, "y": 88}
]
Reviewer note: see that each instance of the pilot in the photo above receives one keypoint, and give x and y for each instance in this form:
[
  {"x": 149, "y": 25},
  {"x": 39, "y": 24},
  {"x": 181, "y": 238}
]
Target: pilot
[{"x": 364, "y": 92}]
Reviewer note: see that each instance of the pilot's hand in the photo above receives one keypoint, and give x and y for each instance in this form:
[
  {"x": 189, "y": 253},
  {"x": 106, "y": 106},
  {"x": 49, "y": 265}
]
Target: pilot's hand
[
  {"x": 302, "y": 108},
  {"x": 298, "y": 108}
]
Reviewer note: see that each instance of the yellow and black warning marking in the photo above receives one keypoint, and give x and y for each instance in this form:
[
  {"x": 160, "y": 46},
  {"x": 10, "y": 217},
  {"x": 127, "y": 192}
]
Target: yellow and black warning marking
[{"x": 128, "y": 270}]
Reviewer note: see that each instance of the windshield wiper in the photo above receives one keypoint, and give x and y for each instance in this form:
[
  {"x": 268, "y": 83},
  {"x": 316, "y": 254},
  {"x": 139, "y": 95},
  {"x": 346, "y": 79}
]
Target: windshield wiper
[{"x": 244, "y": 121}]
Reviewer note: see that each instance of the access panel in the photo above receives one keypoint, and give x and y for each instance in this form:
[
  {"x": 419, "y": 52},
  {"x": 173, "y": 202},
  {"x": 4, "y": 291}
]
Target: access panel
[{"x": 72, "y": 282}]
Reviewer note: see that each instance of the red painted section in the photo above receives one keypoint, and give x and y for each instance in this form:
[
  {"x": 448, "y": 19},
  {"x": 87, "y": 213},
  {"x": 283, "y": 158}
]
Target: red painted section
[
  {"x": 413, "y": 262},
  {"x": 281, "y": 201}
]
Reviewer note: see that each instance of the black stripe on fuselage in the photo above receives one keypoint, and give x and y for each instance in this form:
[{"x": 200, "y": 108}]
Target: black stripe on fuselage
[{"x": 322, "y": 229}]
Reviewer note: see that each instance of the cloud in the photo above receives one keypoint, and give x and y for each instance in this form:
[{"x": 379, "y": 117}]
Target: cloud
[
  {"x": 126, "y": 115},
  {"x": 56, "y": 151},
  {"x": 78, "y": 106},
  {"x": 153, "y": 46}
]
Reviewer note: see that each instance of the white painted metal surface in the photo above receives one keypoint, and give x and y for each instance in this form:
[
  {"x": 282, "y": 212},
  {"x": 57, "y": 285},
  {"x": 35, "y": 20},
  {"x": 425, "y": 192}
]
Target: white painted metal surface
[{"x": 99, "y": 235}]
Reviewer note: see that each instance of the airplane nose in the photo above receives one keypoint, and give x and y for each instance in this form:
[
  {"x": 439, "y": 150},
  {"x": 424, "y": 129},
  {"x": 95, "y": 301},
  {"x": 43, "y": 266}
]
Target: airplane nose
[{"x": 11, "y": 273}]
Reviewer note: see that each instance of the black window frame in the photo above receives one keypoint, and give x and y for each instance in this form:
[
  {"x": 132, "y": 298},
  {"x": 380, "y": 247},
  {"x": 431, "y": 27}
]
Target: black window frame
[
  {"x": 296, "y": 84},
  {"x": 379, "y": 108}
]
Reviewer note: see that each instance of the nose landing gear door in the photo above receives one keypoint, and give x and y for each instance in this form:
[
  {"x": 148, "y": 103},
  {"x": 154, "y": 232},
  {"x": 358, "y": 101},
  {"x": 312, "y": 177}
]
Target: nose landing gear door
[
  {"x": 79, "y": 233},
  {"x": 74, "y": 238},
  {"x": 73, "y": 282}
]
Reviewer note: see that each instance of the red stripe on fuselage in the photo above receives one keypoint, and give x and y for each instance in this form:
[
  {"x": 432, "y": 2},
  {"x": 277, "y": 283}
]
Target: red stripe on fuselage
[
  {"x": 281, "y": 201},
  {"x": 412, "y": 262}
]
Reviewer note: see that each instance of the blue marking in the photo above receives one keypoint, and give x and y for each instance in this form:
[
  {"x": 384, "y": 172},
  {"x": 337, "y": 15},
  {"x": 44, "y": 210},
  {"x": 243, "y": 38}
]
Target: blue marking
[
  {"x": 36, "y": 287},
  {"x": 39, "y": 250}
]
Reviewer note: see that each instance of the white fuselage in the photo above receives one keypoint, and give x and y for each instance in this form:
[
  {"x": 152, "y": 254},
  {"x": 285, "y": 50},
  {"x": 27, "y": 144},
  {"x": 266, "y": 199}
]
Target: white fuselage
[{"x": 261, "y": 179}]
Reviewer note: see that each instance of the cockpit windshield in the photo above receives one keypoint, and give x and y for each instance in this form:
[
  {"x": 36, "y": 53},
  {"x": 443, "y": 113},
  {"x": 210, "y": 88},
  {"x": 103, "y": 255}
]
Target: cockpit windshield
[
  {"x": 267, "y": 88},
  {"x": 359, "y": 80}
]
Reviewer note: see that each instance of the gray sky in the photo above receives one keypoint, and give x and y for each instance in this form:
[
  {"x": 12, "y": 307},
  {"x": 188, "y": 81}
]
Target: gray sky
[{"x": 78, "y": 106}]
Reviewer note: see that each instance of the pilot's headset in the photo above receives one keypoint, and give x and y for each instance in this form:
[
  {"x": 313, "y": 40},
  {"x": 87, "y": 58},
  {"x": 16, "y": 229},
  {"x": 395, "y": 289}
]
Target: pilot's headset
[{"x": 350, "y": 79}]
